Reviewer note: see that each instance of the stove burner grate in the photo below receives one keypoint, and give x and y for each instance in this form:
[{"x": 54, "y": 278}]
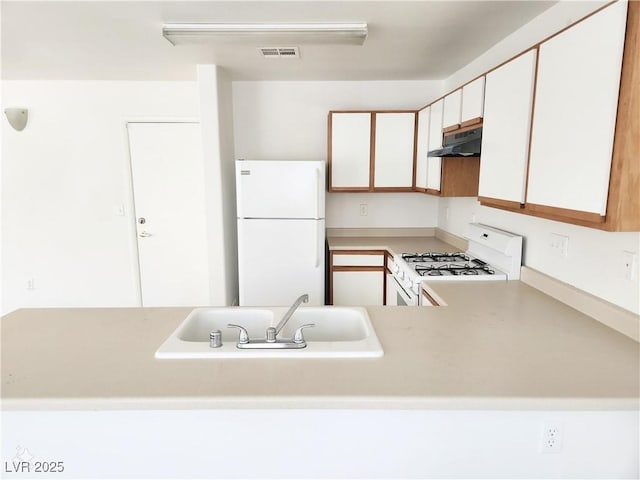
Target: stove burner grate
[
  {"x": 435, "y": 257},
  {"x": 442, "y": 270}
]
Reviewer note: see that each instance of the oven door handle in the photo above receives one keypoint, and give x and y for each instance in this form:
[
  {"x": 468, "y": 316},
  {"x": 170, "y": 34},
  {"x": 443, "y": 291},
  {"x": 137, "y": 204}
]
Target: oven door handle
[{"x": 403, "y": 293}]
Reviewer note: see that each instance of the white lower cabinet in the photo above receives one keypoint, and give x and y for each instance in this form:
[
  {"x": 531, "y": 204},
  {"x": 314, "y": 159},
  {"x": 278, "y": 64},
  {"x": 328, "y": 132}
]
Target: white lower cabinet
[
  {"x": 358, "y": 288},
  {"x": 357, "y": 278}
]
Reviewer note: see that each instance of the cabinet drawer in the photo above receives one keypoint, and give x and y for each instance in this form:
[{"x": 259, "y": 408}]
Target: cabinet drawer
[{"x": 353, "y": 259}]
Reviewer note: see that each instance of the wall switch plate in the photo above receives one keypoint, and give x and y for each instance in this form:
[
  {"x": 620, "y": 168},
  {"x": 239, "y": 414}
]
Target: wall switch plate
[
  {"x": 559, "y": 244},
  {"x": 630, "y": 262},
  {"x": 364, "y": 209}
]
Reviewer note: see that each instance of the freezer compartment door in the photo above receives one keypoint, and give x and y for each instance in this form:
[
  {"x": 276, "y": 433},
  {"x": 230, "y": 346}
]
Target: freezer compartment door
[
  {"x": 280, "y": 189},
  {"x": 279, "y": 260}
]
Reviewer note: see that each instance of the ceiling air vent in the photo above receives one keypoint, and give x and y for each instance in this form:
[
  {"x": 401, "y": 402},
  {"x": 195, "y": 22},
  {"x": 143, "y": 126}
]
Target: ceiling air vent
[{"x": 279, "y": 52}]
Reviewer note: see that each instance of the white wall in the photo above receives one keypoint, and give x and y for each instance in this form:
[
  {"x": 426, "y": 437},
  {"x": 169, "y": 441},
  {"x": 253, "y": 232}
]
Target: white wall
[
  {"x": 288, "y": 120},
  {"x": 384, "y": 210},
  {"x": 64, "y": 178},
  {"x": 547, "y": 23},
  {"x": 216, "y": 120},
  {"x": 595, "y": 261}
]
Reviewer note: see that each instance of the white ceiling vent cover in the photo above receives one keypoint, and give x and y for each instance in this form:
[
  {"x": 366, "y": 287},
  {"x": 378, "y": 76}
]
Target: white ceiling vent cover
[{"x": 279, "y": 52}]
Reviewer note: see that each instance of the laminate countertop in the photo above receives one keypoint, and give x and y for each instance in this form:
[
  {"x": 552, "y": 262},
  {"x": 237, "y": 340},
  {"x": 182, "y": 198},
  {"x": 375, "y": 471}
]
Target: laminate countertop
[
  {"x": 496, "y": 345},
  {"x": 393, "y": 244}
]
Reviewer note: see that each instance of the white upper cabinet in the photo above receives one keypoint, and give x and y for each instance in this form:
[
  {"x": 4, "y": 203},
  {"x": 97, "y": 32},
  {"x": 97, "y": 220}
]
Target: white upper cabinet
[
  {"x": 435, "y": 125},
  {"x": 350, "y": 150},
  {"x": 452, "y": 109},
  {"x": 473, "y": 100},
  {"x": 506, "y": 129},
  {"x": 435, "y": 142},
  {"x": 423, "y": 147},
  {"x": 575, "y": 114},
  {"x": 394, "y": 150}
]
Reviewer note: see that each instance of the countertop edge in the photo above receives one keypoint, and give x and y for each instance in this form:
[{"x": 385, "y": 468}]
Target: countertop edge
[{"x": 325, "y": 403}]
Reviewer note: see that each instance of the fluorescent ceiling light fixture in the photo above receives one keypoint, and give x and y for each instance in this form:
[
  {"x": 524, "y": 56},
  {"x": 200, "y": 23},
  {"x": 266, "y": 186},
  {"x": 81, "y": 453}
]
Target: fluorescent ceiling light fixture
[{"x": 353, "y": 33}]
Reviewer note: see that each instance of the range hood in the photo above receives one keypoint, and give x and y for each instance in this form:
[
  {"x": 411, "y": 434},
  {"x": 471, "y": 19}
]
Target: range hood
[{"x": 463, "y": 144}]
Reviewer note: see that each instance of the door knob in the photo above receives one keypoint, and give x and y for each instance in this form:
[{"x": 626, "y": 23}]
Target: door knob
[{"x": 144, "y": 234}]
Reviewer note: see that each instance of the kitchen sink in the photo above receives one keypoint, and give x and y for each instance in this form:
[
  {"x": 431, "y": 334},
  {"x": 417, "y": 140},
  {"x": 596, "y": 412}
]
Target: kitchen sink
[{"x": 338, "y": 332}]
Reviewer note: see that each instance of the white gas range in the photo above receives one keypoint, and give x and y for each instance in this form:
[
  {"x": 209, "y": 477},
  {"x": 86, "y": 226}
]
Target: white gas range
[{"x": 492, "y": 254}]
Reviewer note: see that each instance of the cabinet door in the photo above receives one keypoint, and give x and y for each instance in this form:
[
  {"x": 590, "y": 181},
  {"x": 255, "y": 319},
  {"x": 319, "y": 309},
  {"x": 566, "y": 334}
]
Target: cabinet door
[
  {"x": 423, "y": 148},
  {"x": 506, "y": 129},
  {"x": 358, "y": 287},
  {"x": 575, "y": 113},
  {"x": 435, "y": 141},
  {"x": 350, "y": 150},
  {"x": 394, "y": 150},
  {"x": 452, "y": 109},
  {"x": 473, "y": 101}
]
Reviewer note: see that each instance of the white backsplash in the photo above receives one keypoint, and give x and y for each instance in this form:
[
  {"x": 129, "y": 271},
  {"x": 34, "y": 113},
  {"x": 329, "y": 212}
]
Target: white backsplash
[{"x": 383, "y": 210}]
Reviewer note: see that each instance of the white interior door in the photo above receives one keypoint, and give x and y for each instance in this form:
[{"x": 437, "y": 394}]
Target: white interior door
[{"x": 168, "y": 191}]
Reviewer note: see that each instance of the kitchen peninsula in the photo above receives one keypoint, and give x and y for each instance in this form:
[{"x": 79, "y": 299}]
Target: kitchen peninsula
[{"x": 496, "y": 364}]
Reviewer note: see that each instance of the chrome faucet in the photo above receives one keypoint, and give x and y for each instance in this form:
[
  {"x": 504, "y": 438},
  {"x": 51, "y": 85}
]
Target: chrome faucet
[
  {"x": 302, "y": 298},
  {"x": 271, "y": 341}
]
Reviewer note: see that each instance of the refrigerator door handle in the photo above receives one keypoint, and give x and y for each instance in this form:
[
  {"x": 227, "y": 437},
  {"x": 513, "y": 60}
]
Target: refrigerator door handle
[
  {"x": 318, "y": 193},
  {"x": 317, "y": 249}
]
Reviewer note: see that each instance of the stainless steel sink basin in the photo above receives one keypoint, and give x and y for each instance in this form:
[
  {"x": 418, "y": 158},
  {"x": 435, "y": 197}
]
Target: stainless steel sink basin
[{"x": 339, "y": 332}]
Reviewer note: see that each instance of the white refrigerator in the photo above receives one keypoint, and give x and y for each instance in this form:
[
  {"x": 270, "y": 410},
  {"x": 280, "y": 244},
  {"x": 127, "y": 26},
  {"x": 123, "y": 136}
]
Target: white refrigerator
[{"x": 281, "y": 231}]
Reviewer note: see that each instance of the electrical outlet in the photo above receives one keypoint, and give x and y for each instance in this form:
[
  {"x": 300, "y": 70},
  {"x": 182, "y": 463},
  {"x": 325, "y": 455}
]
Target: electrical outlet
[
  {"x": 364, "y": 209},
  {"x": 551, "y": 439},
  {"x": 31, "y": 284},
  {"x": 630, "y": 260},
  {"x": 559, "y": 244}
]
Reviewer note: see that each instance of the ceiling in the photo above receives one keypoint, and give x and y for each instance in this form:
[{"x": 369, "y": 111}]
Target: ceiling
[{"x": 122, "y": 40}]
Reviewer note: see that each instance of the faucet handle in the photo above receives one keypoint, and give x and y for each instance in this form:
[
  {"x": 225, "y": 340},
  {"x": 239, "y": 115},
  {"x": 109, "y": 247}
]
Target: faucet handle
[
  {"x": 244, "y": 336},
  {"x": 298, "y": 337}
]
